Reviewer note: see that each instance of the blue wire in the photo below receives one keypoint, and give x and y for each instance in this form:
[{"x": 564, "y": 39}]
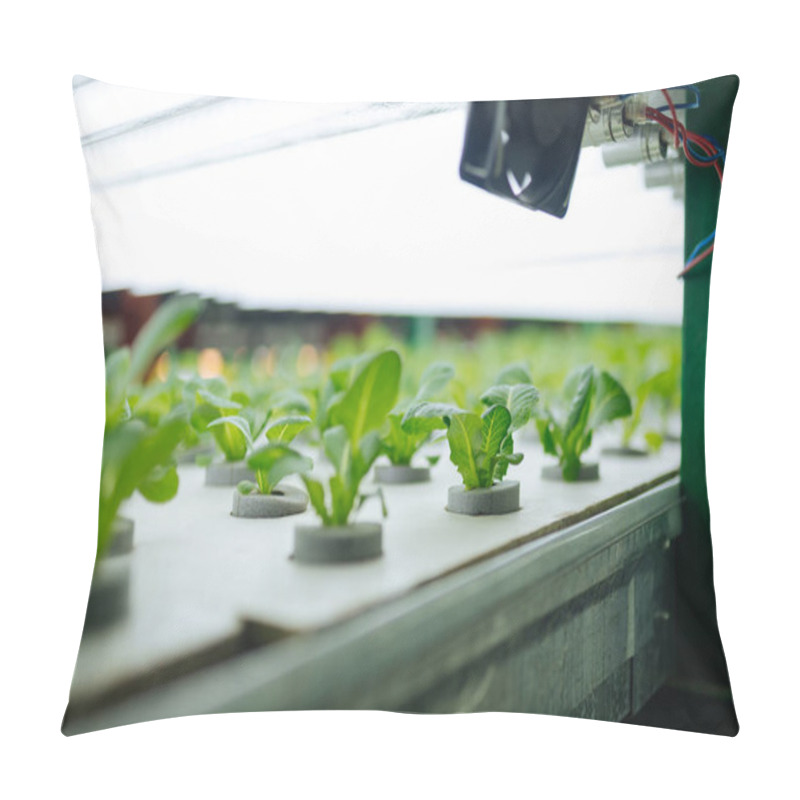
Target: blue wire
[
  {"x": 705, "y": 158},
  {"x": 700, "y": 246},
  {"x": 694, "y": 104},
  {"x": 717, "y": 145}
]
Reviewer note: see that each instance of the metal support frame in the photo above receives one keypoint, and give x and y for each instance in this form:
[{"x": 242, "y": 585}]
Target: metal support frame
[{"x": 700, "y": 663}]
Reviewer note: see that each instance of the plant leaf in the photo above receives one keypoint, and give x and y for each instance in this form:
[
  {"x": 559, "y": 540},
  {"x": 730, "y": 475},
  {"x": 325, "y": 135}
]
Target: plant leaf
[
  {"x": 425, "y": 417},
  {"x": 341, "y": 371},
  {"x": 202, "y": 416},
  {"x": 496, "y": 422},
  {"x": 217, "y": 401},
  {"x": 371, "y": 396},
  {"x": 168, "y": 322},
  {"x": 118, "y": 366},
  {"x": 654, "y": 440},
  {"x": 160, "y": 485},
  {"x": 434, "y": 379},
  {"x": 257, "y": 418},
  {"x": 277, "y": 461},
  {"x": 464, "y": 435},
  {"x": 578, "y": 416},
  {"x": 316, "y": 496},
  {"x": 131, "y": 451},
  {"x": 502, "y": 461},
  {"x": 544, "y": 426},
  {"x": 335, "y": 443},
  {"x": 519, "y": 398},
  {"x": 286, "y": 428},
  {"x": 239, "y": 422},
  {"x": 230, "y": 436},
  {"x": 290, "y": 400},
  {"x": 611, "y": 401},
  {"x": 342, "y": 500},
  {"x": 572, "y": 381},
  {"x": 514, "y": 373},
  {"x": 370, "y": 447}
]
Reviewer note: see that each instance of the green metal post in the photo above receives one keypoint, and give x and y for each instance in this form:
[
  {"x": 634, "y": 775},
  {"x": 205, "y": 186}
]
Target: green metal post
[{"x": 700, "y": 661}]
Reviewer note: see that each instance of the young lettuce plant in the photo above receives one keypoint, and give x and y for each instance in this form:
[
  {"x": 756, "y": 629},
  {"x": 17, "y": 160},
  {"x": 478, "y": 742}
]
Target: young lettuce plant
[
  {"x": 401, "y": 445},
  {"x": 351, "y": 442},
  {"x": 482, "y": 446},
  {"x": 276, "y": 460},
  {"x": 647, "y": 389},
  {"x": 235, "y": 426},
  {"x": 138, "y": 454},
  {"x": 231, "y": 430},
  {"x": 137, "y": 457},
  {"x": 332, "y": 390},
  {"x": 271, "y": 463},
  {"x": 598, "y": 398}
]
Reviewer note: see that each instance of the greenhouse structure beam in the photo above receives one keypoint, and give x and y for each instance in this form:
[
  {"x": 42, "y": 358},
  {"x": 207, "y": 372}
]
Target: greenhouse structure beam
[{"x": 700, "y": 662}]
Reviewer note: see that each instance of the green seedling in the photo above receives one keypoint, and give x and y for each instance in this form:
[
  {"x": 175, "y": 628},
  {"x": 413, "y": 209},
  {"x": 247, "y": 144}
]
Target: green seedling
[
  {"x": 652, "y": 388},
  {"x": 331, "y": 392},
  {"x": 276, "y": 460},
  {"x": 137, "y": 457},
  {"x": 233, "y": 422},
  {"x": 402, "y": 445},
  {"x": 481, "y": 445},
  {"x": 138, "y": 454},
  {"x": 126, "y": 367},
  {"x": 597, "y": 398},
  {"x": 351, "y": 441}
]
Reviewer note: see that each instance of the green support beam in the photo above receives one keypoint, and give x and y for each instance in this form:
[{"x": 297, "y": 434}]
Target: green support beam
[{"x": 700, "y": 661}]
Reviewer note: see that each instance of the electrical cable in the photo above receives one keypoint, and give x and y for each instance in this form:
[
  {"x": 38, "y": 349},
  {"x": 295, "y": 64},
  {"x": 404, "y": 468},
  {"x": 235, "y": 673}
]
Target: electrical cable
[
  {"x": 696, "y": 260},
  {"x": 675, "y": 122},
  {"x": 713, "y": 153},
  {"x": 700, "y": 245},
  {"x": 694, "y": 104}
]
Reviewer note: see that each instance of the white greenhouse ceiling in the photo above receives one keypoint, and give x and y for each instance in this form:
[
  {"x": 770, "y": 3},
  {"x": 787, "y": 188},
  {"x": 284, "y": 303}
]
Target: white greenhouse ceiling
[{"x": 359, "y": 207}]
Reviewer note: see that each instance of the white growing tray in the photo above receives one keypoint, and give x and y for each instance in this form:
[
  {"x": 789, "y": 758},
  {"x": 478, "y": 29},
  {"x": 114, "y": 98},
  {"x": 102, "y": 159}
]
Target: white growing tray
[{"x": 197, "y": 572}]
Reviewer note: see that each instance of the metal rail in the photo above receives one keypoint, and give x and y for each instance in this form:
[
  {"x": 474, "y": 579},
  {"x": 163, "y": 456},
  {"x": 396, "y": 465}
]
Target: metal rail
[{"x": 359, "y": 118}]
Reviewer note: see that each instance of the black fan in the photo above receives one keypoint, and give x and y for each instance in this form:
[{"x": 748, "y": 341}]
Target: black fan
[{"x": 525, "y": 150}]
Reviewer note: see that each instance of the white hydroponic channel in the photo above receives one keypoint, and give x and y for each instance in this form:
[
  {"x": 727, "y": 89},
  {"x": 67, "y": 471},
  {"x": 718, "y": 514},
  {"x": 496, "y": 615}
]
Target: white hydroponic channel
[{"x": 197, "y": 572}]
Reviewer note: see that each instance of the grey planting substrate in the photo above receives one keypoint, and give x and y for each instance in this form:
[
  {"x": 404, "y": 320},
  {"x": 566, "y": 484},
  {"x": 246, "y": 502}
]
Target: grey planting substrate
[
  {"x": 502, "y": 498},
  {"x": 336, "y": 544}
]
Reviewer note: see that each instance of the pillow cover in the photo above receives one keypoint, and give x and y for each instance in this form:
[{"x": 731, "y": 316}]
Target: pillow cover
[{"x": 404, "y": 407}]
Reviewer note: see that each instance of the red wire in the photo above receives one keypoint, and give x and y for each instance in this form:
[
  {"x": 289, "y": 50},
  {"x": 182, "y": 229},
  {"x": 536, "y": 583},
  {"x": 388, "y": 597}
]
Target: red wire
[
  {"x": 696, "y": 260},
  {"x": 680, "y": 132},
  {"x": 674, "y": 113}
]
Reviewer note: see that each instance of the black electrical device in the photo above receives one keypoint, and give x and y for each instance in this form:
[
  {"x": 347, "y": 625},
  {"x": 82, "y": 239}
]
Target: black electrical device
[{"x": 525, "y": 150}]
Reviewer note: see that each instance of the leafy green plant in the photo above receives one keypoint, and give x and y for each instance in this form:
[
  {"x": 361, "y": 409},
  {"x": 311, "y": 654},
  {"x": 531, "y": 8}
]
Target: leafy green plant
[
  {"x": 402, "y": 445},
  {"x": 126, "y": 367},
  {"x": 653, "y": 387},
  {"x": 233, "y": 423},
  {"x": 276, "y": 460},
  {"x": 351, "y": 442},
  {"x": 138, "y": 454},
  {"x": 481, "y": 445},
  {"x": 596, "y": 398},
  {"x": 137, "y": 457},
  {"x": 231, "y": 430}
]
